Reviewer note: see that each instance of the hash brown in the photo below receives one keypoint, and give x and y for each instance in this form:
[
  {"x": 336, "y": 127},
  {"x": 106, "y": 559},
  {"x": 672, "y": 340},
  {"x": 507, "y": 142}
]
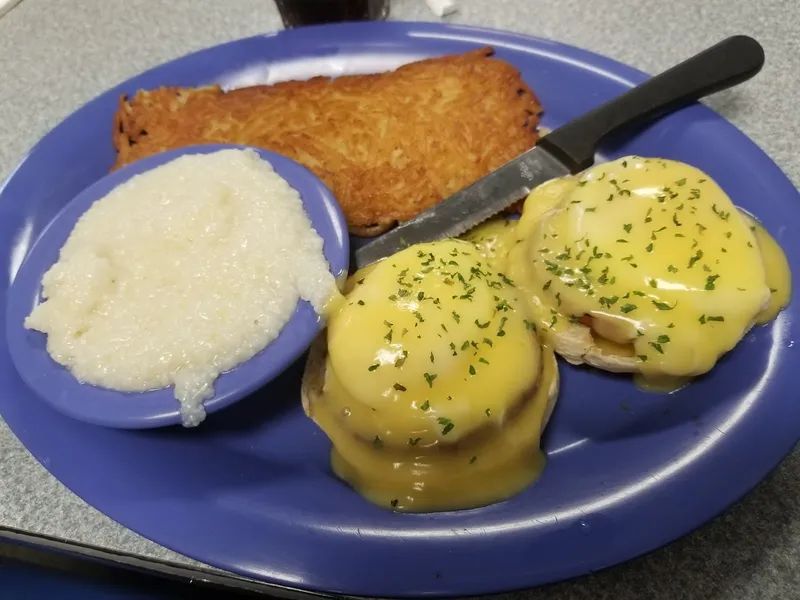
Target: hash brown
[{"x": 389, "y": 145}]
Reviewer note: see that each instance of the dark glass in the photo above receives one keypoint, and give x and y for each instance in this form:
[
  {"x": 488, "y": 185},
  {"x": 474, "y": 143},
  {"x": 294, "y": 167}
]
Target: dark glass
[{"x": 313, "y": 12}]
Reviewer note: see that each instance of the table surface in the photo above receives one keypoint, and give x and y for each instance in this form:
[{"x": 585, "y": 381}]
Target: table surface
[{"x": 57, "y": 54}]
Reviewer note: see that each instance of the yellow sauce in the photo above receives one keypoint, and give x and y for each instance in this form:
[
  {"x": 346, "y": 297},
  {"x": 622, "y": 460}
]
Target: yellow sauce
[
  {"x": 436, "y": 388},
  {"x": 494, "y": 239},
  {"x": 334, "y": 303},
  {"x": 779, "y": 276},
  {"x": 436, "y": 385},
  {"x": 670, "y": 273}
]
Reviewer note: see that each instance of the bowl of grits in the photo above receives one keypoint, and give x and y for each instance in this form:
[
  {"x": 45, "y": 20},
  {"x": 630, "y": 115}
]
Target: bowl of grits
[{"x": 176, "y": 286}]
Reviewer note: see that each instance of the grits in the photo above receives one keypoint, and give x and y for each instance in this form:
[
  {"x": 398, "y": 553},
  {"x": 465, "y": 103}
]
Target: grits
[{"x": 180, "y": 274}]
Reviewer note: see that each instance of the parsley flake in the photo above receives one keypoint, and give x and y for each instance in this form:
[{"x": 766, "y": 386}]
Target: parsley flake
[
  {"x": 446, "y": 423},
  {"x": 697, "y": 256},
  {"x": 663, "y": 305},
  {"x": 400, "y": 361}
]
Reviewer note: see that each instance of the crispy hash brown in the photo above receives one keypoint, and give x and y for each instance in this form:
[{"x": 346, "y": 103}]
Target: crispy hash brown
[{"x": 389, "y": 145}]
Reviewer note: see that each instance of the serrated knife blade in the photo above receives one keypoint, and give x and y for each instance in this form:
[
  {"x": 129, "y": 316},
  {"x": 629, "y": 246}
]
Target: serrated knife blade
[{"x": 469, "y": 207}]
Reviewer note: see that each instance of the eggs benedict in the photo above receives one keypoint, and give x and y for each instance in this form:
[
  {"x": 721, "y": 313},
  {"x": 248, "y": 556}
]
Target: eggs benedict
[
  {"x": 642, "y": 266},
  {"x": 431, "y": 382}
]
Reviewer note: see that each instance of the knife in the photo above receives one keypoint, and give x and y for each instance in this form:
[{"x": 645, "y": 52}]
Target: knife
[{"x": 571, "y": 148}]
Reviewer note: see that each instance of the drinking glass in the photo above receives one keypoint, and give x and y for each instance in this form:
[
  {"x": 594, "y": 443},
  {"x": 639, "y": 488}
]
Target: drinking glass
[{"x": 296, "y": 13}]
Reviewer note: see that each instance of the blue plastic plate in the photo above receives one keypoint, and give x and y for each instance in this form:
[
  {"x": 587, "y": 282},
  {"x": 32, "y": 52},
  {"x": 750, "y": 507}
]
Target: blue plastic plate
[{"x": 251, "y": 489}]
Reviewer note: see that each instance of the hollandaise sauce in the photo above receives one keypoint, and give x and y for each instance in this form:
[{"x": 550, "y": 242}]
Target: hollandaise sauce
[
  {"x": 435, "y": 388},
  {"x": 779, "y": 275},
  {"x": 641, "y": 265},
  {"x": 439, "y": 373}
]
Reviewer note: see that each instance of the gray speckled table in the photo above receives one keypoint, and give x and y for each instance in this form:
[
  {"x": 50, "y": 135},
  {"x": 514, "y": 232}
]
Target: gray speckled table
[{"x": 57, "y": 54}]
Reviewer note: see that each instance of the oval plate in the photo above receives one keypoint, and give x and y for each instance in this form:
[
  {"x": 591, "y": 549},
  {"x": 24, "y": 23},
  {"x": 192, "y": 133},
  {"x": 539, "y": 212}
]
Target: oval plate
[
  {"x": 157, "y": 408},
  {"x": 627, "y": 473}
]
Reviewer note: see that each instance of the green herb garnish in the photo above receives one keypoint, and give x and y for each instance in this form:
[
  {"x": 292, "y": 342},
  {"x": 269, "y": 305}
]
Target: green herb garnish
[
  {"x": 401, "y": 360},
  {"x": 697, "y": 256},
  {"x": 663, "y": 305},
  {"x": 447, "y": 425},
  {"x": 429, "y": 378}
]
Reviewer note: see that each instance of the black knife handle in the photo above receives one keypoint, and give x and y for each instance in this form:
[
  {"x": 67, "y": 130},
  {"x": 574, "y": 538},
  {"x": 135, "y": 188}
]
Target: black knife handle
[{"x": 726, "y": 64}]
